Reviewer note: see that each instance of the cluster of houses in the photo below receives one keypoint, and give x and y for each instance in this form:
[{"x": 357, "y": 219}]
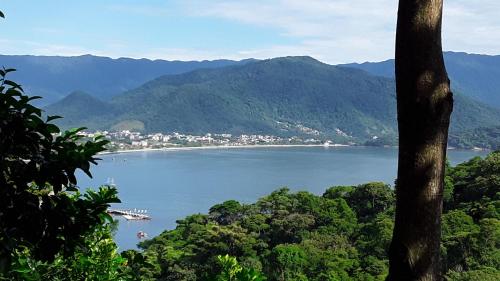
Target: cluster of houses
[{"x": 125, "y": 139}]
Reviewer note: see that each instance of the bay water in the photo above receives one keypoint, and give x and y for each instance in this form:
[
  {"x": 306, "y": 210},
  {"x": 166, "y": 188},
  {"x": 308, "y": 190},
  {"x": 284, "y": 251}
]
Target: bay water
[{"x": 173, "y": 184}]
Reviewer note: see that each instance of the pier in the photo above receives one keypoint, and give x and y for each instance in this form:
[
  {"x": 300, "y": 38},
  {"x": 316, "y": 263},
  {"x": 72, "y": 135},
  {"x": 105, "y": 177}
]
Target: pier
[{"x": 130, "y": 214}]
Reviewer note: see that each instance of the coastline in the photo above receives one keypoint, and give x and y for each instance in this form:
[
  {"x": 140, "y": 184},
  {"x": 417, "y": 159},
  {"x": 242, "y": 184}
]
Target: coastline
[
  {"x": 249, "y": 146},
  {"x": 188, "y": 148}
]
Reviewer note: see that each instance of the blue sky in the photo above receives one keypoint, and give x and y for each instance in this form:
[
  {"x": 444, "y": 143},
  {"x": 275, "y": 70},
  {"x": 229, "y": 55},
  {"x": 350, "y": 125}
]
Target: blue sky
[{"x": 333, "y": 31}]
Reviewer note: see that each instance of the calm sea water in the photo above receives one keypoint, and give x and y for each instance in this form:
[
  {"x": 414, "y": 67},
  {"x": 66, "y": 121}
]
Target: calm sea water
[{"x": 173, "y": 184}]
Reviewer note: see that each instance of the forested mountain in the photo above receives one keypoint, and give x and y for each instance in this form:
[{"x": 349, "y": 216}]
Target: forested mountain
[
  {"x": 282, "y": 96},
  {"x": 54, "y": 77},
  {"x": 473, "y": 75}
]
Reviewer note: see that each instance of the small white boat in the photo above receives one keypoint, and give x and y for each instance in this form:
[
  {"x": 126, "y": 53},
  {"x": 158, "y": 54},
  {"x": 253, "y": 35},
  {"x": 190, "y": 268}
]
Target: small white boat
[{"x": 111, "y": 182}]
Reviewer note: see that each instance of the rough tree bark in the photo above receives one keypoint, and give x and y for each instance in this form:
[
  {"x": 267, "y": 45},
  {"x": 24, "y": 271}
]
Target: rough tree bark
[{"x": 424, "y": 103}]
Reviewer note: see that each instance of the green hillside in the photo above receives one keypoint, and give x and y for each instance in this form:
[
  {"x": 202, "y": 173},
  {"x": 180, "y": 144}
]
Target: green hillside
[
  {"x": 282, "y": 96},
  {"x": 80, "y": 108}
]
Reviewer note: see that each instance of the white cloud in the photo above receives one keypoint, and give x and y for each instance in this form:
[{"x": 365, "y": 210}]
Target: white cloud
[
  {"x": 22, "y": 47},
  {"x": 333, "y": 31},
  {"x": 338, "y": 31},
  {"x": 472, "y": 26}
]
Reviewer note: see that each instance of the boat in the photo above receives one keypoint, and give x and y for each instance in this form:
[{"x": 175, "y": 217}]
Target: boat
[
  {"x": 111, "y": 182},
  {"x": 130, "y": 215},
  {"x": 141, "y": 235}
]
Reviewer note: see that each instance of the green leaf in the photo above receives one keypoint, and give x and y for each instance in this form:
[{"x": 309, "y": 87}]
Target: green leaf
[
  {"x": 34, "y": 98},
  {"x": 13, "y": 84},
  {"x": 71, "y": 188},
  {"x": 53, "y": 129},
  {"x": 106, "y": 217},
  {"x": 53, "y": 117}
]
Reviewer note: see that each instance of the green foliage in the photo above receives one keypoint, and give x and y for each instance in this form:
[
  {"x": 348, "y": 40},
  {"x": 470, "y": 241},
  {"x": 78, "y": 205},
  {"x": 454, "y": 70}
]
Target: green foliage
[
  {"x": 471, "y": 223},
  {"x": 290, "y": 261},
  {"x": 368, "y": 200},
  {"x": 226, "y": 213},
  {"x": 48, "y": 229},
  {"x": 233, "y": 271},
  {"x": 287, "y": 236},
  {"x": 95, "y": 259},
  {"x": 486, "y": 274},
  {"x": 476, "y": 187},
  {"x": 485, "y": 137}
]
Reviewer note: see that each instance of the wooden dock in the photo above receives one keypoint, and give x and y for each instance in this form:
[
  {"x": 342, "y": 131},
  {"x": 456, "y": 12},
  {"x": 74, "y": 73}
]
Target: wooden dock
[{"x": 130, "y": 214}]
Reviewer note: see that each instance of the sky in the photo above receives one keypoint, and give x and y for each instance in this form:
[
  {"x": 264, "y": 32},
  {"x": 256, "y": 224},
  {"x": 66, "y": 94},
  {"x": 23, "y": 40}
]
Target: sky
[{"x": 333, "y": 31}]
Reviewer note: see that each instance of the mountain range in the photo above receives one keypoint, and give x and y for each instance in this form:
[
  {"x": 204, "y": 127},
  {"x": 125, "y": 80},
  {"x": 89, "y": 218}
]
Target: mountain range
[
  {"x": 281, "y": 96},
  {"x": 55, "y": 77},
  {"x": 477, "y": 76}
]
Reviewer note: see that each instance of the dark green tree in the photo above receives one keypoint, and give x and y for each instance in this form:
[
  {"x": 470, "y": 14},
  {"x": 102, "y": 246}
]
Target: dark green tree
[
  {"x": 226, "y": 212},
  {"x": 41, "y": 208}
]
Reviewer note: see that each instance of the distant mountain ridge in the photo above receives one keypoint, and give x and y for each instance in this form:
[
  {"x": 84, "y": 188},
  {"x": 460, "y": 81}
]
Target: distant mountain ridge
[
  {"x": 281, "y": 96},
  {"x": 54, "y": 77},
  {"x": 477, "y": 76}
]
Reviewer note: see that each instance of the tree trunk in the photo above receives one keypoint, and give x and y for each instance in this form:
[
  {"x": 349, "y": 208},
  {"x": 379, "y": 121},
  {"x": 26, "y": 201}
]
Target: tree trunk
[{"x": 424, "y": 103}]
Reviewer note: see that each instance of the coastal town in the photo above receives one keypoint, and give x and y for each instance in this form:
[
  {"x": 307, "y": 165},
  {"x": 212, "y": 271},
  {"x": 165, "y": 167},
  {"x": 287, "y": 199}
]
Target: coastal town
[{"x": 129, "y": 140}]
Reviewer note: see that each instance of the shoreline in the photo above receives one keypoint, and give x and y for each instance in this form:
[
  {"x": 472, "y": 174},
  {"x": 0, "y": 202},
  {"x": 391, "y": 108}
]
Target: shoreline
[
  {"x": 188, "y": 148},
  {"x": 251, "y": 146}
]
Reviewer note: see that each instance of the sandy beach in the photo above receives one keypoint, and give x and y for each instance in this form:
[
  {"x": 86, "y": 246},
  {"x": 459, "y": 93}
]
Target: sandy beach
[{"x": 221, "y": 147}]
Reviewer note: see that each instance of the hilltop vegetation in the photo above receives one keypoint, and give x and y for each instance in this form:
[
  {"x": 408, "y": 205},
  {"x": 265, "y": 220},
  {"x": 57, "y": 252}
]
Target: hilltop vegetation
[
  {"x": 342, "y": 235},
  {"x": 486, "y": 137},
  {"x": 278, "y": 96}
]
